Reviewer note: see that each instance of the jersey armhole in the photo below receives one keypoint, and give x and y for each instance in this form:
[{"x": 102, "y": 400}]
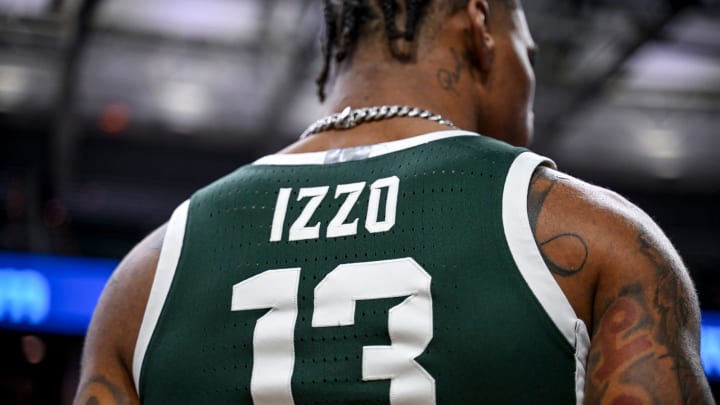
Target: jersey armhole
[
  {"x": 532, "y": 267},
  {"x": 164, "y": 274}
]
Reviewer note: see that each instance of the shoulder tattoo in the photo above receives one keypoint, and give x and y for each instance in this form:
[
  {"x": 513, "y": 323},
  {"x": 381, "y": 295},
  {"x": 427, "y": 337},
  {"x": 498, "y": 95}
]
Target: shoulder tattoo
[{"x": 565, "y": 253}]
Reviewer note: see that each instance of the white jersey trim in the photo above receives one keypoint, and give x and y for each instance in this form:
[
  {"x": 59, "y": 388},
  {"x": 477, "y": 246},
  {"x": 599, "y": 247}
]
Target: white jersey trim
[
  {"x": 361, "y": 152},
  {"x": 533, "y": 269},
  {"x": 167, "y": 264}
]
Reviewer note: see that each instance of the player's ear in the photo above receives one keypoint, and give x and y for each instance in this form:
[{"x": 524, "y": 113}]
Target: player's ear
[{"x": 482, "y": 42}]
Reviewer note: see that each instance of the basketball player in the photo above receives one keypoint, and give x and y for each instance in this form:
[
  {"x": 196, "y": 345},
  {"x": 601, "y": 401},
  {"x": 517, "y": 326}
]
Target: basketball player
[{"x": 390, "y": 257}]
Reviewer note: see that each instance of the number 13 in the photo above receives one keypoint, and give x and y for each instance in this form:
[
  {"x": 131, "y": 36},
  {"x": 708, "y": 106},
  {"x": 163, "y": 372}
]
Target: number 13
[{"x": 410, "y": 325}]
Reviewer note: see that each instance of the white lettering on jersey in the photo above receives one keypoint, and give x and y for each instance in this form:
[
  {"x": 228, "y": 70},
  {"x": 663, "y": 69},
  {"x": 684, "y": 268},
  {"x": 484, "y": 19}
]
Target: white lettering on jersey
[
  {"x": 372, "y": 222},
  {"x": 279, "y": 217},
  {"x": 273, "y": 344},
  {"x": 410, "y": 326},
  {"x": 410, "y": 323},
  {"x": 340, "y": 225},
  {"x": 299, "y": 230}
]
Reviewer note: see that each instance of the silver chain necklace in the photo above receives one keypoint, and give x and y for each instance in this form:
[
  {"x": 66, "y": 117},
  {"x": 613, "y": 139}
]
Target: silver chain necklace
[{"x": 350, "y": 118}]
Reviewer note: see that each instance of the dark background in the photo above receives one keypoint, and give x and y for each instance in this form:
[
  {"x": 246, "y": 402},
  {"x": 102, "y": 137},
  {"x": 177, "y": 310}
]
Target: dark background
[{"x": 113, "y": 112}]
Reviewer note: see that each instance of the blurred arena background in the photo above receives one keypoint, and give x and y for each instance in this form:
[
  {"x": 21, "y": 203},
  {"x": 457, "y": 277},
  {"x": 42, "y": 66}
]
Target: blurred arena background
[{"x": 112, "y": 112}]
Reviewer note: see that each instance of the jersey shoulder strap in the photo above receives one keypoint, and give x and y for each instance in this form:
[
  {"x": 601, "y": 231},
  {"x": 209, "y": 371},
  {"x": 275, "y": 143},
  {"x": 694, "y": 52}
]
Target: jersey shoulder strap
[{"x": 531, "y": 265}]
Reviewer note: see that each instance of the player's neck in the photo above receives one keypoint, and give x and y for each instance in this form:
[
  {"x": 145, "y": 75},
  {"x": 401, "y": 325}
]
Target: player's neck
[
  {"x": 367, "y": 86},
  {"x": 413, "y": 84}
]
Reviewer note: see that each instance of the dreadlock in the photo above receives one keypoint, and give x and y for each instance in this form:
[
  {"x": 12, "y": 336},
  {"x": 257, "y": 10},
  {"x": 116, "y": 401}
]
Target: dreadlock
[
  {"x": 343, "y": 24},
  {"x": 339, "y": 41}
]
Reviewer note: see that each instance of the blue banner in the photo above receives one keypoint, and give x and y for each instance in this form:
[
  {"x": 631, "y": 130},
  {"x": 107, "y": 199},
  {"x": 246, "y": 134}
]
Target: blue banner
[
  {"x": 710, "y": 344},
  {"x": 49, "y": 294}
]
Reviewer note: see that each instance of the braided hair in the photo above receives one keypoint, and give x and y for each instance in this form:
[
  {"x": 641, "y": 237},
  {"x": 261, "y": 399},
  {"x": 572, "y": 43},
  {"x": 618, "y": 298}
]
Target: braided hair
[
  {"x": 343, "y": 23},
  {"x": 345, "y": 18}
]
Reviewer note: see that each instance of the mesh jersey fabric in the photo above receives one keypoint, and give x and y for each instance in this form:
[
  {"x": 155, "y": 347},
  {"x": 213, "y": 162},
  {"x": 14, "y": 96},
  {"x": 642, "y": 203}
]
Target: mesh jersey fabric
[{"x": 491, "y": 341}]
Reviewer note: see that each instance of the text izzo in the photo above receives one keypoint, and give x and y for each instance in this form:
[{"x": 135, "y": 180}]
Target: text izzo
[{"x": 340, "y": 225}]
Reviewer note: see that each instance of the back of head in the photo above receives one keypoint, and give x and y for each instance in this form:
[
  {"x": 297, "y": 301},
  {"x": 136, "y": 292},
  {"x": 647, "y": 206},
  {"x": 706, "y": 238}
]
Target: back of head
[
  {"x": 470, "y": 61},
  {"x": 399, "y": 24}
]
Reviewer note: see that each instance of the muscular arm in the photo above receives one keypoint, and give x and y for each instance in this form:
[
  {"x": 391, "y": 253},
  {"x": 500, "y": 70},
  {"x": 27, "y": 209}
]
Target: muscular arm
[
  {"x": 624, "y": 278},
  {"x": 646, "y": 345},
  {"x": 106, "y": 376}
]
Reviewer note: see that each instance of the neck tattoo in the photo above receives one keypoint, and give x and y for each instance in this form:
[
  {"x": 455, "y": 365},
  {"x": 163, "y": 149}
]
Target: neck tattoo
[{"x": 350, "y": 118}]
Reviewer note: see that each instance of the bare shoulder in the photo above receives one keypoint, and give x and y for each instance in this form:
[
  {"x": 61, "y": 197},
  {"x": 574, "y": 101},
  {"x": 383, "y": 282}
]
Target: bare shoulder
[
  {"x": 629, "y": 284},
  {"x": 106, "y": 376}
]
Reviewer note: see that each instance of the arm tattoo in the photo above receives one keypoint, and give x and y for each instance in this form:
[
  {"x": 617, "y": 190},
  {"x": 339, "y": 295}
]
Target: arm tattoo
[
  {"x": 643, "y": 330},
  {"x": 626, "y": 345},
  {"x": 447, "y": 78},
  {"x": 99, "y": 387},
  {"x": 675, "y": 310},
  {"x": 572, "y": 245}
]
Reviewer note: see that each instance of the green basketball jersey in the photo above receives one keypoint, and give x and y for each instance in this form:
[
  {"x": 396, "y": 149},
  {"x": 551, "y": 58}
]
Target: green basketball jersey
[{"x": 400, "y": 273}]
